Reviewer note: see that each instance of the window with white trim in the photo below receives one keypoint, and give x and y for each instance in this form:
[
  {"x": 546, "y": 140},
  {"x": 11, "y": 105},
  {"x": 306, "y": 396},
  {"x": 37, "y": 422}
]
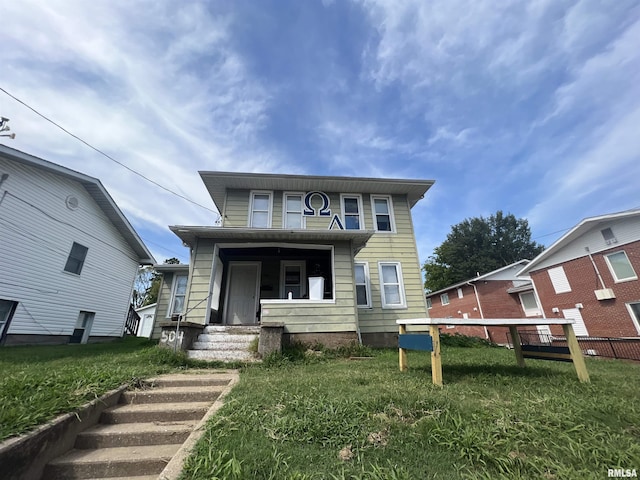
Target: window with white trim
[
  {"x": 559, "y": 280},
  {"x": 429, "y": 303},
  {"x": 179, "y": 294},
  {"x": 620, "y": 267},
  {"x": 444, "y": 299},
  {"x": 382, "y": 209},
  {"x": 363, "y": 288},
  {"x": 460, "y": 294},
  {"x": 260, "y": 210},
  {"x": 352, "y": 216},
  {"x": 292, "y": 215},
  {"x": 76, "y": 258},
  {"x": 391, "y": 285}
]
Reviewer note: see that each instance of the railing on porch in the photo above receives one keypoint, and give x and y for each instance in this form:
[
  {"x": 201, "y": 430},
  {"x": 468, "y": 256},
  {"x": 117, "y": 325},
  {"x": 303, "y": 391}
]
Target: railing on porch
[
  {"x": 133, "y": 320},
  {"x": 623, "y": 348}
]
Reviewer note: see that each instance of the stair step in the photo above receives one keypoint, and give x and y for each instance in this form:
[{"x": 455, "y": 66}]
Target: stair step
[
  {"x": 111, "y": 462},
  {"x": 222, "y": 355},
  {"x": 180, "y": 379},
  {"x": 134, "y": 434},
  {"x": 172, "y": 394},
  {"x": 242, "y": 330},
  {"x": 155, "y": 412},
  {"x": 226, "y": 337},
  {"x": 200, "y": 345}
]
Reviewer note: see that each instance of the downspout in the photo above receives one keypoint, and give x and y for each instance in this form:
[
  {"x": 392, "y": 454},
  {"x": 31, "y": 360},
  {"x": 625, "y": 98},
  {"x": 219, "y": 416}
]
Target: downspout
[
  {"x": 595, "y": 267},
  {"x": 486, "y": 332},
  {"x": 355, "y": 294}
]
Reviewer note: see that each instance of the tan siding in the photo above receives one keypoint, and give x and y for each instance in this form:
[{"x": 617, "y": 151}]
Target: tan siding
[
  {"x": 392, "y": 247},
  {"x": 199, "y": 282},
  {"x": 236, "y": 208},
  {"x": 162, "y": 309}
]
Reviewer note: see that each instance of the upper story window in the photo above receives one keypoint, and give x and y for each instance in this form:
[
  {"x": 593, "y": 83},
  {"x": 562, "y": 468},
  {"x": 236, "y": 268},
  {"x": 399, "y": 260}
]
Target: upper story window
[
  {"x": 529, "y": 304},
  {"x": 444, "y": 299},
  {"x": 559, "y": 280},
  {"x": 620, "y": 266},
  {"x": 429, "y": 304},
  {"x": 608, "y": 236},
  {"x": 260, "y": 210},
  {"x": 292, "y": 215},
  {"x": 363, "y": 290},
  {"x": 460, "y": 294},
  {"x": 382, "y": 213},
  {"x": 76, "y": 258},
  {"x": 352, "y": 212}
]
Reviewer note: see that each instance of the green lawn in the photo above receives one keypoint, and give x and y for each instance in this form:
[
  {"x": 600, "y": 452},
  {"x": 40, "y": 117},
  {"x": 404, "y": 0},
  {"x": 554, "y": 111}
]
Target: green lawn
[
  {"x": 327, "y": 417},
  {"x": 39, "y": 382},
  {"x": 364, "y": 419}
]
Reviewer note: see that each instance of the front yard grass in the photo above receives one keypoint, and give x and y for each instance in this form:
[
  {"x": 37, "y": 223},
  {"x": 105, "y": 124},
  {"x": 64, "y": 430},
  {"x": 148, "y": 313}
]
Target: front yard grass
[
  {"x": 319, "y": 418},
  {"x": 39, "y": 382}
]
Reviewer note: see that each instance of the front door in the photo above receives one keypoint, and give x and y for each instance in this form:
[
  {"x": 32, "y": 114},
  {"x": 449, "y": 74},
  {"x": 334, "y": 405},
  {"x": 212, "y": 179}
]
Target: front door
[{"x": 243, "y": 292}]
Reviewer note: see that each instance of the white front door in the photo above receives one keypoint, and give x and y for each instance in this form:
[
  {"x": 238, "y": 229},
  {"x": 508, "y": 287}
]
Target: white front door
[
  {"x": 579, "y": 327},
  {"x": 243, "y": 293}
]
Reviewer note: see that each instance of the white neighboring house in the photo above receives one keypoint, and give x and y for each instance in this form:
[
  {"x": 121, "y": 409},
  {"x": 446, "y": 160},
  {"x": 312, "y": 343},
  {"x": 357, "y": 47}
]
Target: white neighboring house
[
  {"x": 147, "y": 316},
  {"x": 69, "y": 256}
]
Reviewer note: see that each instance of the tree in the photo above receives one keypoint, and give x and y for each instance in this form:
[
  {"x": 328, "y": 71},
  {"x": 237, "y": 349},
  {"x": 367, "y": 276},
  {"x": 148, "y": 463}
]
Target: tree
[
  {"x": 479, "y": 245},
  {"x": 147, "y": 285}
]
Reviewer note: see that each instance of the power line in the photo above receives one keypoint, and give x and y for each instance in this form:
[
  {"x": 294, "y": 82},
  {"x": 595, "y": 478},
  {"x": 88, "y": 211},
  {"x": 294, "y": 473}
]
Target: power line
[{"x": 109, "y": 156}]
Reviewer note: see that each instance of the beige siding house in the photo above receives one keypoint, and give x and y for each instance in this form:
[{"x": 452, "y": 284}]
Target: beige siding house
[{"x": 333, "y": 259}]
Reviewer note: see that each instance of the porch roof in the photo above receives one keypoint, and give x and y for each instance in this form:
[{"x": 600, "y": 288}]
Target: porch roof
[{"x": 189, "y": 234}]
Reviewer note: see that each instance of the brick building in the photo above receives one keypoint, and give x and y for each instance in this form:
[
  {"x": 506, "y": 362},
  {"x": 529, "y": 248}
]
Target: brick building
[
  {"x": 591, "y": 275},
  {"x": 497, "y": 294}
]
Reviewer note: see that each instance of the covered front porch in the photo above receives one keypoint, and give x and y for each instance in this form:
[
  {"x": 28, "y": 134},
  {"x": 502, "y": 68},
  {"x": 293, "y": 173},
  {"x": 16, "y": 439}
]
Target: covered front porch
[{"x": 301, "y": 279}]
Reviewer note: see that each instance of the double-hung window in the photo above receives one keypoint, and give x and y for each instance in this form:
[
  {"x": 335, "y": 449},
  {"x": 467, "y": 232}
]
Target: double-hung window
[
  {"x": 382, "y": 213},
  {"x": 391, "y": 286},
  {"x": 76, "y": 258},
  {"x": 352, "y": 212},
  {"x": 363, "y": 290},
  {"x": 293, "y": 211},
  {"x": 620, "y": 267},
  {"x": 179, "y": 293},
  {"x": 444, "y": 299},
  {"x": 260, "y": 210},
  {"x": 429, "y": 303}
]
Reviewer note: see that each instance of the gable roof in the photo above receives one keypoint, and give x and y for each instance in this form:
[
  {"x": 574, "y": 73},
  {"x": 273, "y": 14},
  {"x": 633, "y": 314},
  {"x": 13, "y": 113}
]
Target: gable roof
[
  {"x": 97, "y": 192},
  {"x": 218, "y": 182},
  {"x": 576, "y": 232},
  {"x": 486, "y": 276}
]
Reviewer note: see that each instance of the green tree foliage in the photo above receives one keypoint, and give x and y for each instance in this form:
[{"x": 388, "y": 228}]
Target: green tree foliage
[
  {"x": 479, "y": 245},
  {"x": 147, "y": 285}
]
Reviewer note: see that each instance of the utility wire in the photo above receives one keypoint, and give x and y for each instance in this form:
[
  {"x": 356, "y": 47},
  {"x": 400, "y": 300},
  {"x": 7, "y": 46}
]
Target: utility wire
[{"x": 109, "y": 156}]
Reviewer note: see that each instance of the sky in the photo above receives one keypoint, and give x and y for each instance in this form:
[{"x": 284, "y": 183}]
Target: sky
[{"x": 529, "y": 107}]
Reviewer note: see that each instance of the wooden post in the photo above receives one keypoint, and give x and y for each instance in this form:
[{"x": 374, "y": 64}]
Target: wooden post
[
  {"x": 402, "y": 353},
  {"x": 576, "y": 353},
  {"x": 515, "y": 338},
  {"x": 436, "y": 361}
]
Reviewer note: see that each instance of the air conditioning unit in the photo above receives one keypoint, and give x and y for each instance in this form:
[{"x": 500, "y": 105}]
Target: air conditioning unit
[{"x": 604, "y": 294}]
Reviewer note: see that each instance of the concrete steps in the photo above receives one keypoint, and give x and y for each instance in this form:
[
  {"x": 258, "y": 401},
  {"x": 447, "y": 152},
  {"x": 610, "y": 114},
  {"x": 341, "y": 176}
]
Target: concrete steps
[
  {"x": 137, "y": 438},
  {"x": 225, "y": 343}
]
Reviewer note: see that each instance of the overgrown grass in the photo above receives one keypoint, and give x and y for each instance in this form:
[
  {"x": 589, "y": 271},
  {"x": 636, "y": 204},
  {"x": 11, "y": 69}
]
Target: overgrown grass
[
  {"x": 310, "y": 415},
  {"x": 39, "y": 382}
]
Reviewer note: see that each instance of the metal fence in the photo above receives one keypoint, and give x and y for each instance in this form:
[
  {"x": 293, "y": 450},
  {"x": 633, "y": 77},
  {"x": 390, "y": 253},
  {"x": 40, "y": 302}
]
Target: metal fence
[
  {"x": 132, "y": 322},
  {"x": 624, "y": 348}
]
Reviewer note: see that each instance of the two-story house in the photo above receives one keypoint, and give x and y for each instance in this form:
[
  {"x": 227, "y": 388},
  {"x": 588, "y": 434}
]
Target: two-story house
[
  {"x": 334, "y": 259},
  {"x": 497, "y": 294},
  {"x": 590, "y": 274},
  {"x": 69, "y": 255}
]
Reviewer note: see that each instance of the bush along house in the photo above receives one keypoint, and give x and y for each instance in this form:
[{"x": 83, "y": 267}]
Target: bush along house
[
  {"x": 331, "y": 260},
  {"x": 591, "y": 275}
]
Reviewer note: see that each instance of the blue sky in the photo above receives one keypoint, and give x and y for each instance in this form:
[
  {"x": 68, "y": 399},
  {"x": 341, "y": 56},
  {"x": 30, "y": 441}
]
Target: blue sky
[{"x": 530, "y": 107}]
